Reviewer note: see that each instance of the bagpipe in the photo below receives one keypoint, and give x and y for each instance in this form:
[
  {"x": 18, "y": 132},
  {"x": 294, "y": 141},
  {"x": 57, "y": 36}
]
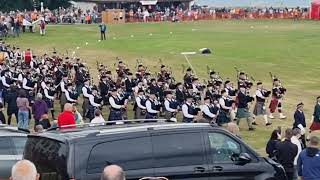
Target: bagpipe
[
  {"x": 281, "y": 90},
  {"x": 214, "y": 77},
  {"x": 243, "y": 79}
]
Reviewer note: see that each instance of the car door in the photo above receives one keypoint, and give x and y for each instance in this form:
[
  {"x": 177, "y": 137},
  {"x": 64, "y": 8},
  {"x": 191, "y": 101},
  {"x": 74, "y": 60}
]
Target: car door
[
  {"x": 7, "y": 157},
  {"x": 133, "y": 153},
  {"x": 179, "y": 155},
  {"x": 221, "y": 146}
]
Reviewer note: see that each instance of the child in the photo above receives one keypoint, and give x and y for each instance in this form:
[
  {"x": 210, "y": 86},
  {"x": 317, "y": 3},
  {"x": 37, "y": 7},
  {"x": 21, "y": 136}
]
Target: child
[{"x": 45, "y": 122}]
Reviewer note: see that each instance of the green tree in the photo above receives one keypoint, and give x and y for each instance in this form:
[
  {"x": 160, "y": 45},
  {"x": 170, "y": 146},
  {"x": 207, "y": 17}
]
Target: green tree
[{"x": 12, "y": 5}]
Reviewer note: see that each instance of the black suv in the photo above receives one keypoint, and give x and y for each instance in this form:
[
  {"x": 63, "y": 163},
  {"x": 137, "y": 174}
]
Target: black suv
[{"x": 177, "y": 151}]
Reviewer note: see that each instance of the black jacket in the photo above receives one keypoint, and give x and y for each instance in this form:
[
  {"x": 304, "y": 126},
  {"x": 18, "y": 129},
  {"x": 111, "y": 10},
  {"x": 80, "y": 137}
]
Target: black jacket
[
  {"x": 286, "y": 152},
  {"x": 299, "y": 119}
]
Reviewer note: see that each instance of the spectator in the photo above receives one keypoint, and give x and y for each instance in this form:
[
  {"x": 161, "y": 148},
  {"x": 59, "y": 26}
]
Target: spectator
[
  {"x": 42, "y": 28},
  {"x": 98, "y": 118},
  {"x": 23, "y": 170},
  {"x": 77, "y": 116},
  {"x": 286, "y": 152},
  {"x": 308, "y": 161},
  {"x": 113, "y": 172},
  {"x": 23, "y": 112},
  {"x": 271, "y": 145},
  {"x": 103, "y": 29},
  {"x": 295, "y": 140},
  {"x": 39, "y": 128},
  {"x": 39, "y": 108},
  {"x": 66, "y": 118},
  {"x": 11, "y": 99},
  {"x": 45, "y": 122},
  {"x": 300, "y": 122}
]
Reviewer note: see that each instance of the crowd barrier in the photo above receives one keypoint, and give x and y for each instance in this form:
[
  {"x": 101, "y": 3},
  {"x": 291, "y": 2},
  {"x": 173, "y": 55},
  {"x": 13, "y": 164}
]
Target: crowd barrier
[{"x": 216, "y": 16}]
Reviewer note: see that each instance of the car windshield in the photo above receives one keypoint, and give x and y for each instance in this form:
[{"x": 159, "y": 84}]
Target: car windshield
[{"x": 49, "y": 156}]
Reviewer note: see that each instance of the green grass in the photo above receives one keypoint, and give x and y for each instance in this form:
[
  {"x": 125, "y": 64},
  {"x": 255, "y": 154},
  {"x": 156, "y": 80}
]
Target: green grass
[{"x": 288, "y": 49}]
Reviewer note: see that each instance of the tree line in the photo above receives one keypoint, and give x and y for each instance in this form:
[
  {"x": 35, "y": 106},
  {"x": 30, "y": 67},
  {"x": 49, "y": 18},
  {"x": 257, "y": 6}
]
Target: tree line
[{"x": 13, "y": 5}]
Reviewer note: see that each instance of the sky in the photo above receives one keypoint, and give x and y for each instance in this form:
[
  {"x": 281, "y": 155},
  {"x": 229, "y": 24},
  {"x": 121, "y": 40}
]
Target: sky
[{"x": 274, "y": 3}]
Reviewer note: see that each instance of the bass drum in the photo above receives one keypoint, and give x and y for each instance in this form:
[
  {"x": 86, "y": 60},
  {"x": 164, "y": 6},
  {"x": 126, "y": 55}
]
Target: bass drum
[{"x": 27, "y": 55}]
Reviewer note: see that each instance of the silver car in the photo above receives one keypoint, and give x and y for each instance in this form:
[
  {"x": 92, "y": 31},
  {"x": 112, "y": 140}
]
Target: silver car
[{"x": 12, "y": 143}]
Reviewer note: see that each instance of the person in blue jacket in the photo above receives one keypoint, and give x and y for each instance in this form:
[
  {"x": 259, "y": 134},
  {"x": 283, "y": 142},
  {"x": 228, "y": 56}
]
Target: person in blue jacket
[{"x": 308, "y": 161}]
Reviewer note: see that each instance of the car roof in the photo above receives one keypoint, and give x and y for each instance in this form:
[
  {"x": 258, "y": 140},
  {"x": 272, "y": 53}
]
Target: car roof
[
  {"x": 78, "y": 133},
  {"x": 11, "y": 131}
]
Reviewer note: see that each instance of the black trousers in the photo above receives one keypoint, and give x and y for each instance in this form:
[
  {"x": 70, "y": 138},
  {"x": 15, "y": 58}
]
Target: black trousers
[{"x": 103, "y": 35}]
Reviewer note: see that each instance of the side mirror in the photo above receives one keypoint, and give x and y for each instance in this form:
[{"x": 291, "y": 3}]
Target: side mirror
[{"x": 241, "y": 159}]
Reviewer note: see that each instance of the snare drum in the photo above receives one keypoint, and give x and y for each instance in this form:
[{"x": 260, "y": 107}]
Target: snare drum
[{"x": 27, "y": 55}]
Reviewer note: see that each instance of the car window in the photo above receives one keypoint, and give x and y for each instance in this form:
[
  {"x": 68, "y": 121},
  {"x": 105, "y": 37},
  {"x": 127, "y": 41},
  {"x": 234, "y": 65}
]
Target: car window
[
  {"x": 130, "y": 154},
  {"x": 172, "y": 150},
  {"x": 6, "y": 146},
  {"x": 222, "y": 147},
  {"x": 19, "y": 143}
]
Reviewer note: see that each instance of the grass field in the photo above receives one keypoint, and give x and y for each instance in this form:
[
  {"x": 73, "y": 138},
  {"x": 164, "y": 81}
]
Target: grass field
[{"x": 288, "y": 49}]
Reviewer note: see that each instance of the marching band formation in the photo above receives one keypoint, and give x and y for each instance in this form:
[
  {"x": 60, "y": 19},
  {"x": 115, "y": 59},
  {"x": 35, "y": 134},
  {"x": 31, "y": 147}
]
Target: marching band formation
[{"x": 153, "y": 95}]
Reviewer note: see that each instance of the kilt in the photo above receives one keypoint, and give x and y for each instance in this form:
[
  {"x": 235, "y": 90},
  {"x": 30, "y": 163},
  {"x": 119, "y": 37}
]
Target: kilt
[
  {"x": 187, "y": 120},
  {"x": 90, "y": 112},
  {"x": 85, "y": 106},
  {"x": 63, "y": 99},
  {"x": 273, "y": 104},
  {"x": 243, "y": 113},
  {"x": 259, "y": 109},
  {"x": 223, "y": 117},
  {"x": 139, "y": 113},
  {"x": 151, "y": 116},
  {"x": 49, "y": 103},
  {"x": 115, "y": 115},
  {"x": 168, "y": 115},
  {"x": 315, "y": 126}
]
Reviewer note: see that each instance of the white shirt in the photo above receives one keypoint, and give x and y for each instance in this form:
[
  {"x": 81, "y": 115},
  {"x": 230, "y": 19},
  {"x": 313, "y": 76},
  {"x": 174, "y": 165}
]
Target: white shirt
[
  {"x": 222, "y": 104},
  {"x": 91, "y": 99},
  {"x": 205, "y": 110},
  {"x": 98, "y": 120},
  {"x": 85, "y": 92},
  {"x": 47, "y": 94},
  {"x": 68, "y": 97},
  {"x": 24, "y": 84},
  {"x": 62, "y": 85},
  {"x": 185, "y": 111},
  {"x": 138, "y": 101},
  {"x": 259, "y": 94},
  {"x": 167, "y": 105},
  {"x": 3, "y": 79},
  {"x": 296, "y": 141},
  {"x": 148, "y": 106},
  {"x": 113, "y": 104}
]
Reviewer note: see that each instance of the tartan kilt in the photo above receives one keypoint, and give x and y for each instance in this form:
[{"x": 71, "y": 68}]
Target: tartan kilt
[
  {"x": 315, "y": 126},
  {"x": 259, "y": 109},
  {"x": 151, "y": 116},
  {"x": 243, "y": 113},
  {"x": 223, "y": 117},
  {"x": 139, "y": 113},
  {"x": 50, "y": 103},
  {"x": 273, "y": 104},
  {"x": 115, "y": 115},
  {"x": 168, "y": 115},
  {"x": 90, "y": 113}
]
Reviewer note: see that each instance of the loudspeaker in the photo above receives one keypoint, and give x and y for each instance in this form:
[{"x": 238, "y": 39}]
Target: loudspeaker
[{"x": 205, "y": 51}]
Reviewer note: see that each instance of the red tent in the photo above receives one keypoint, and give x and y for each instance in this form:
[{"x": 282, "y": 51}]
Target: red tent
[{"x": 315, "y": 9}]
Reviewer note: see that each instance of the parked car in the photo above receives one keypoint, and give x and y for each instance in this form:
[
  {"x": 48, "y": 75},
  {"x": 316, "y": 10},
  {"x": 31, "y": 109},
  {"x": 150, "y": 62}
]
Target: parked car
[
  {"x": 12, "y": 143},
  {"x": 185, "y": 151}
]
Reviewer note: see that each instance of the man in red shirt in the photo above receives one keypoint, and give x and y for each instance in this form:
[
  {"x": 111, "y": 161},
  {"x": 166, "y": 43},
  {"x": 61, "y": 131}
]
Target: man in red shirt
[{"x": 66, "y": 118}]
